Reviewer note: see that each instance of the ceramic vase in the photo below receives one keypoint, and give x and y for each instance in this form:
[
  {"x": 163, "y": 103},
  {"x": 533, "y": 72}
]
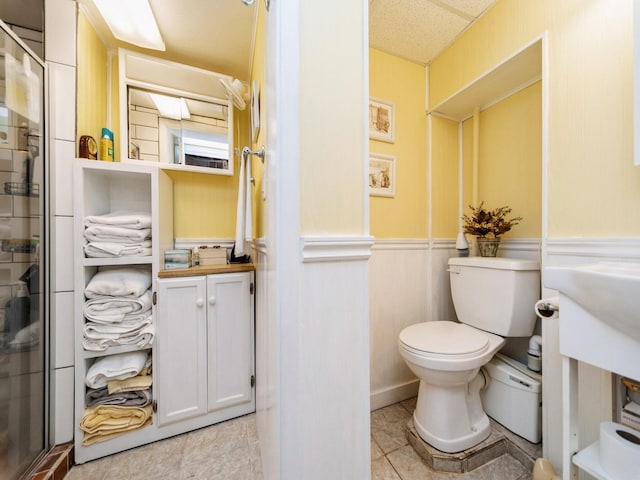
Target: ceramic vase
[{"x": 488, "y": 247}]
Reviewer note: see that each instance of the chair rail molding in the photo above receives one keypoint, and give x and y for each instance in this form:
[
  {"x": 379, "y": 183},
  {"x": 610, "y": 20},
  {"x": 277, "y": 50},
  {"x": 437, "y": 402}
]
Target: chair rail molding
[
  {"x": 627, "y": 248},
  {"x": 330, "y": 248}
]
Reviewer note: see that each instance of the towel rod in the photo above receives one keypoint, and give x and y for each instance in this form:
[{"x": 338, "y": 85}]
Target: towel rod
[
  {"x": 251, "y": 2},
  {"x": 258, "y": 153}
]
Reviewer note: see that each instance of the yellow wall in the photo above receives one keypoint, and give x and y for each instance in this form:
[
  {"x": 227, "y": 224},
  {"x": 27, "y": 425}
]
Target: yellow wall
[
  {"x": 594, "y": 189},
  {"x": 510, "y": 159},
  {"x": 91, "y": 113},
  {"x": 444, "y": 174},
  {"x": 332, "y": 105},
  {"x": 402, "y": 83},
  {"x": 258, "y": 75},
  {"x": 204, "y": 205}
]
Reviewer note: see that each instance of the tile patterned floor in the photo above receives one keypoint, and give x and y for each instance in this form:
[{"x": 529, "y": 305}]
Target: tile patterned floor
[
  {"x": 230, "y": 451},
  {"x": 226, "y": 451},
  {"x": 392, "y": 458}
]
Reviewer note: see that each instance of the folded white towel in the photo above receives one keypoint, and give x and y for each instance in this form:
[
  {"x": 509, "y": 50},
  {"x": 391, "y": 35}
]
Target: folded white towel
[
  {"x": 115, "y": 249},
  {"x": 108, "y": 309},
  {"x": 115, "y": 367},
  {"x": 121, "y": 218},
  {"x": 113, "y": 330},
  {"x": 119, "y": 282},
  {"x": 109, "y": 233},
  {"x": 98, "y": 337}
]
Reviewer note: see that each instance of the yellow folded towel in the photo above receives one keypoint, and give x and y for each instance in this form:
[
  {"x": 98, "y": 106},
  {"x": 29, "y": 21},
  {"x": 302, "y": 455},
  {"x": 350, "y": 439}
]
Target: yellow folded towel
[
  {"x": 140, "y": 382},
  {"x": 105, "y": 422}
]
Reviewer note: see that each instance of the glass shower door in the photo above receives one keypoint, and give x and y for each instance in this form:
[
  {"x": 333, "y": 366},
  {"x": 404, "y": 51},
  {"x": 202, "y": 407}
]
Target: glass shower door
[{"x": 22, "y": 326}]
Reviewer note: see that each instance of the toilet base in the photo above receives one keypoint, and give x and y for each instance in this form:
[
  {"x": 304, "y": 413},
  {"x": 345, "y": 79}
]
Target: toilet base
[
  {"x": 451, "y": 418},
  {"x": 478, "y": 432}
]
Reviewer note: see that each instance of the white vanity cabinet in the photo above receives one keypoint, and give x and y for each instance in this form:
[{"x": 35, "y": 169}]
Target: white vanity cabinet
[{"x": 205, "y": 348}]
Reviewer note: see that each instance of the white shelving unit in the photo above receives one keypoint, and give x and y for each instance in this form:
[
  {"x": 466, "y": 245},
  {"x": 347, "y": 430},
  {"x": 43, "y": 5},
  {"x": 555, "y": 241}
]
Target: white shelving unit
[
  {"x": 101, "y": 188},
  {"x": 212, "y": 322}
]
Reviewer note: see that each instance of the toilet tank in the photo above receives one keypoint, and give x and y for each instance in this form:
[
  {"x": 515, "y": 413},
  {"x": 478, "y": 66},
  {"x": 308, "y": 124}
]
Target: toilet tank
[{"x": 496, "y": 294}]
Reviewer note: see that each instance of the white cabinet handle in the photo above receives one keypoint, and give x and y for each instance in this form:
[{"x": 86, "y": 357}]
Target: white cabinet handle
[
  {"x": 212, "y": 300},
  {"x": 200, "y": 302}
]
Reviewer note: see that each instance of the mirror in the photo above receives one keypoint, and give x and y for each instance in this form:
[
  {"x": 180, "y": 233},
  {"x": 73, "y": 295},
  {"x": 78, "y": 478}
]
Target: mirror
[
  {"x": 176, "y": 116},
  {"x": 178, "y": 131}
]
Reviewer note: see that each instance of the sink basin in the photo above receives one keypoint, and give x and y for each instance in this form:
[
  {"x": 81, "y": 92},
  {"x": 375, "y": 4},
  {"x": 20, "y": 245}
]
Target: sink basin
[{"x": 610, "y": 291}]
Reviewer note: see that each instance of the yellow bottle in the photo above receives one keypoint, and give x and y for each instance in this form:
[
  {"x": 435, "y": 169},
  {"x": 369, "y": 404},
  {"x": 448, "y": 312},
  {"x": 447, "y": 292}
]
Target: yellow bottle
[{"x": 106, "y": 145}]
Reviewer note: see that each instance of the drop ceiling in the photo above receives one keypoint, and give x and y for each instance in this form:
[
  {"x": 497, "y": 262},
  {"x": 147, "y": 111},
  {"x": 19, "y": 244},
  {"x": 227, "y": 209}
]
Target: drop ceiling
[
  {"x": 419, "y": 30},
  {"x": 218, "y": 35}
]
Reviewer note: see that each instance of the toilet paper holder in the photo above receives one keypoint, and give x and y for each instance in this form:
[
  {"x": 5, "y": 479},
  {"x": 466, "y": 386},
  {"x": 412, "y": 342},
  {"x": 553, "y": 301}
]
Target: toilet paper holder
[{"x": 547, "y": 307}]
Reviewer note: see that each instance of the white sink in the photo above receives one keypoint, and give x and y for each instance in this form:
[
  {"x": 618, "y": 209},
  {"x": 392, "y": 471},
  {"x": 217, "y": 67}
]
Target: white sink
[{"x": 610, "y": 291}]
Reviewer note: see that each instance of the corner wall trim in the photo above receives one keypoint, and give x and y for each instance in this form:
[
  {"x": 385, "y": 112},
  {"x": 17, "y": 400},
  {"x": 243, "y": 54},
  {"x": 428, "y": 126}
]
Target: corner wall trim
[{"x": 335, "y": 248}]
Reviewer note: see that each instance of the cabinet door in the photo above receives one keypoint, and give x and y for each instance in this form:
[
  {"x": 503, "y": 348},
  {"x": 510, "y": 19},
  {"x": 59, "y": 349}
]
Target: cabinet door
[
  {"x": 181, "y": 349},
  {"x": 230, "y": 338}
]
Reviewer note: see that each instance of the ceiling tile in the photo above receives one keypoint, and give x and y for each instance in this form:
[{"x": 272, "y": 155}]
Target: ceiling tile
[{"x": 413, "y": 29}]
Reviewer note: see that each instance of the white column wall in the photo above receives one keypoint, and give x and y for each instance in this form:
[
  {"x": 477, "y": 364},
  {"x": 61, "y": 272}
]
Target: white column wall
[{"x": 60, "y": 57}]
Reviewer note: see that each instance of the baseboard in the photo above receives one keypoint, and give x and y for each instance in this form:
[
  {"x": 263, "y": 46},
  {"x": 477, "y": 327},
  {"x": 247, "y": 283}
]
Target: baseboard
[{"x": 395, "y": 394}]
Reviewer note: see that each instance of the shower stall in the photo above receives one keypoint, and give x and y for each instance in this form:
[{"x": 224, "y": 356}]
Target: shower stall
[{"x": 23, "y": 329}]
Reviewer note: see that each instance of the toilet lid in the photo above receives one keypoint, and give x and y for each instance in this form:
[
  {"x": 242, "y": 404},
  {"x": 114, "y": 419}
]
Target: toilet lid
[{"x": 445, "y": 338}]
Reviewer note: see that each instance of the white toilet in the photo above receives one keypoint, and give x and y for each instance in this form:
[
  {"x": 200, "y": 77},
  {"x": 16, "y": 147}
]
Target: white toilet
[{"x": 493, "y": 298}]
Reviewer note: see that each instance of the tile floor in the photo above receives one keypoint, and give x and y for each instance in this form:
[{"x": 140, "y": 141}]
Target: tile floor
[
  {"x": 230, "y": 451},
  {"x": 392, "y": 458},
  {"x": 226, "y": 451}
]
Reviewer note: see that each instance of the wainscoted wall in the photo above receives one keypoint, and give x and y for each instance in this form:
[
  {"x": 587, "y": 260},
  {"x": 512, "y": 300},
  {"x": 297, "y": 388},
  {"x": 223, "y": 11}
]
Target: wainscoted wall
[
  {"x": 397, "y": 298},
  {"x": 595, "y": 385},
  {"x": 409, "y": 283}
]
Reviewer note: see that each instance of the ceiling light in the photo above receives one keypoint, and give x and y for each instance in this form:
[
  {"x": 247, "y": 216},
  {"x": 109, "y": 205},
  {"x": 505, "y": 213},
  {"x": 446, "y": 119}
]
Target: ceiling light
[
  {"x": 131, "y": 21},
  {"x": 171, "y": 107}
]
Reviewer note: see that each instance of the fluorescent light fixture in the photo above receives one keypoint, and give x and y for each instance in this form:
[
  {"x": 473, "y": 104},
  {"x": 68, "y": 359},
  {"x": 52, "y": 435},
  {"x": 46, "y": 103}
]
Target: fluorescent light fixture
[
  {"x": 131, "y": 21},
  {"x": 171, "y": 107}
]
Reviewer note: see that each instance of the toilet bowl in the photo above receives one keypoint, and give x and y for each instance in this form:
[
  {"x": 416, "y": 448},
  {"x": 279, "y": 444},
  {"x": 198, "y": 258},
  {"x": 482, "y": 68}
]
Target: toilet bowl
[
  {"x": 493, "y": 299},
  {"x": 446, "y": 357}
]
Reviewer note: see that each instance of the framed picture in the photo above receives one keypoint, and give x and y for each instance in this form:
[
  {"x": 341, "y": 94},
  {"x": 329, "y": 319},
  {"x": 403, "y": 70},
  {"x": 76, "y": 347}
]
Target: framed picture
[
  {"x": 382, "y": 175},
  {"x": 381, "y": 120},
  {"x": 255, "y": 111}
]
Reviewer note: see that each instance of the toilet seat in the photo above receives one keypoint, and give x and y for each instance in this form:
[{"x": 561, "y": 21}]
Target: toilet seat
[{"x": 444, "y": 339}]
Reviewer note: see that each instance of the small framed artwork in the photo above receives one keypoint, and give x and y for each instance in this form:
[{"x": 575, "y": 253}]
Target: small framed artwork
[
  {"x": 255, "y": 111},
  {"x": 382, "y": 175},
  {"x": 381, "y": 120}
]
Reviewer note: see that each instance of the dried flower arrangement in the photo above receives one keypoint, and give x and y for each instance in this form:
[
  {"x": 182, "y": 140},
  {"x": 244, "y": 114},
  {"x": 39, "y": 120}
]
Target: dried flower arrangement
[{"x": 489, "y": 223}]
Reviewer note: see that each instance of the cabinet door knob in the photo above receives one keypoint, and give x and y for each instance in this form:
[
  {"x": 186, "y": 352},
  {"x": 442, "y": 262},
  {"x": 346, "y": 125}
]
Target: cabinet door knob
[
  {"x": 212, "y": 300},
  {"x": 200, "y": 302}
]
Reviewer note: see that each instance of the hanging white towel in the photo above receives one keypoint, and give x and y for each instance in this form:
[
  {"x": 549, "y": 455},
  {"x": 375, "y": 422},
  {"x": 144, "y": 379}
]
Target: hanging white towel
[{"x": 244, "y": 212}]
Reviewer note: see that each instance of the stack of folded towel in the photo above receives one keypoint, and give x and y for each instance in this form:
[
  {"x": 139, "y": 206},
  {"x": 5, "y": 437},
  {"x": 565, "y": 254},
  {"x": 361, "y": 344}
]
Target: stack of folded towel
[
  {"x": 118, "y": 309},
  {"x": 118, "y": 234},
  {"x": 119, "y": 396}
]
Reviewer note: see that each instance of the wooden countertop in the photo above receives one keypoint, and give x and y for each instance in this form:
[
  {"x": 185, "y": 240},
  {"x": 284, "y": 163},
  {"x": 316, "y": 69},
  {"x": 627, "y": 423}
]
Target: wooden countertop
[{"x": 207, "y": 270}]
